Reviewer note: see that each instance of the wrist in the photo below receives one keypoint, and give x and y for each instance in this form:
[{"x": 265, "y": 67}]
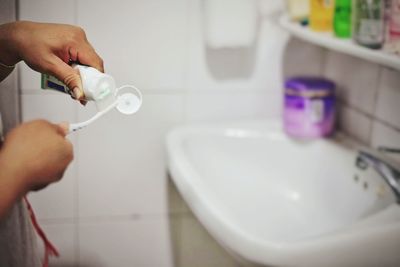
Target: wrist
[
  {"x": 11, "y": 187},
  {"x": 9, "y": 39},
  {"x": 12, "y": 176}
]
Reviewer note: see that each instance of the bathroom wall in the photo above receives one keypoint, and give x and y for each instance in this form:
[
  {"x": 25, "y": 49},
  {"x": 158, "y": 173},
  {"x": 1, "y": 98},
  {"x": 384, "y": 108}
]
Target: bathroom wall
[
  {"x": 112, "y": 208},
  {"x": 115, "y": 205},
  {"x": 369, "y": 94}
]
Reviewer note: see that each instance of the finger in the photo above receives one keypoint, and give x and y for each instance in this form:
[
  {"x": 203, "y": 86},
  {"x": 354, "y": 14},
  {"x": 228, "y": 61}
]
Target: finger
[
  {"x": 59, "y": 176},
  {"x": 68, "y": 75},
  {"x": 88, "y": 56},
  {"x": 70, "y": 151},
  {"x": 64, "y": 128},
  {"x": 39, "y": 187}
]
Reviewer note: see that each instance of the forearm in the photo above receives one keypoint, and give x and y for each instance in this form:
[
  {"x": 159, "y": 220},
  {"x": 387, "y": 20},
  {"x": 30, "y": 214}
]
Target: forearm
[
  {"x": 11, "y": 187},
  {"x": 8, "y": 55}
]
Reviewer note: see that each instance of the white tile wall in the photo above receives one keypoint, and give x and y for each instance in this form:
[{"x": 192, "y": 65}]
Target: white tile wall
[
  {"x": 141, "y": 42},
  {"x": 55, "y": 108},
  {"x": 303, "y": 59},
  {"x": 29, "y": 80},
  {"x": 370, "y": 95},
  {"x": 355, "y": 123},
  {"x": 54, "y": 11},
  {"x": 388, "y": 105},
  {"x": 63, "y": 237},
  {"x": 220, "y": 106},
  {"x": 122, "y": 168},
  {"x": 357, "y": 80},
  {"x": 383, "y": 135},
  {"x": 256, "y": 68},
  {"x": 119, "y": 168},
  {"x": 139, "y": 243}
]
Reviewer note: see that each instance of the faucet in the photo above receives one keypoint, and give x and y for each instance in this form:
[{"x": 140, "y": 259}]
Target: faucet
[{"x": 389, "y": 173}]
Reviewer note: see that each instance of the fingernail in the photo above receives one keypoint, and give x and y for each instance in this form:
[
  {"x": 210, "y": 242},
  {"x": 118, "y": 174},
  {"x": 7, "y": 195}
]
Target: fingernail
[{"x": 76, "y": 93}]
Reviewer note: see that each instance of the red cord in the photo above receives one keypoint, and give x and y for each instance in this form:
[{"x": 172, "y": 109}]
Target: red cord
[{"x": 49, "y": 248}]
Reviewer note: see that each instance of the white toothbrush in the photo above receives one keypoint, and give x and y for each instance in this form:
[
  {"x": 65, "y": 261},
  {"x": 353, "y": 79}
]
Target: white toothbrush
[
  {"x": 73, "y": 127},
  {"x": 126, "y": 103}
]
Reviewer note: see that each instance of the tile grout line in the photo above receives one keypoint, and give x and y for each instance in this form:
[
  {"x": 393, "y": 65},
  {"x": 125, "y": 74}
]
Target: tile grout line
[
  {"x": 370, "y": 116},
  {"x": 375, "y": 104}
]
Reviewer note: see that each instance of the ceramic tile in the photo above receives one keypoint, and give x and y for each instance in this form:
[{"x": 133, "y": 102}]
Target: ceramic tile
[
  {"x": 29, "y": 79},
  {"x": 388, "y": 107},
  {"x": 199, "y": 249},
  {"x": 357, "y": 80},
  {"x": 271, "y": 7},
  {"x": 140, "y": 243},
  {"x": 121, "y": 165},
  {"x": 149, "y": 53},
  {"x": 62, "y": 236},
  {"x": 220, "y": 106},
  {"x": 9, "y": 100},
  {"x": 257, "y": 67},
  {"x": 56, "y": 107},
  {"x": 355, "y": 124},
  {"x": 57, "y": 200},
  {"x": 303, "y": 59},
  {"x": 52, "y": 11},
  {"x": 383, "y": 135}
]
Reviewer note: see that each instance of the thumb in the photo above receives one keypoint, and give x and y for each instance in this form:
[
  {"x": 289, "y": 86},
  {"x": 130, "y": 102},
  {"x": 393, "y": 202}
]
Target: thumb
[
  {"x": 64, "y": 127},
  {"x": 69, "y": 76}
]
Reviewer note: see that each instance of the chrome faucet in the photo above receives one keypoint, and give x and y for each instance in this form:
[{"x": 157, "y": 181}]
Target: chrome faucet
[{"x": 389, "y": 173}]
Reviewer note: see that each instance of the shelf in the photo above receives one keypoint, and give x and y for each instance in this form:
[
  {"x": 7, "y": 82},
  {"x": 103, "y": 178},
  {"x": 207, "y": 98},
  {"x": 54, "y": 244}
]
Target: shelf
[{"x": 346, "y": 46}]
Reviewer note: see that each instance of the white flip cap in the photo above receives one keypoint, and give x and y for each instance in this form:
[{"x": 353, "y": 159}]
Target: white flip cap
[{"x": 129, "y": 101}]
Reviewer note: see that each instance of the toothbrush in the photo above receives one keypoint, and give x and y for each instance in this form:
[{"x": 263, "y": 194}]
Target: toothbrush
[
  {"x": 125, "y": 104},
  {"x": 73, "y": 127}
]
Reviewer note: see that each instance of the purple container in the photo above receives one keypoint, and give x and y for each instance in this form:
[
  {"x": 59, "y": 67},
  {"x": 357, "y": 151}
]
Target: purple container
[{"x": 309, "y": 110}]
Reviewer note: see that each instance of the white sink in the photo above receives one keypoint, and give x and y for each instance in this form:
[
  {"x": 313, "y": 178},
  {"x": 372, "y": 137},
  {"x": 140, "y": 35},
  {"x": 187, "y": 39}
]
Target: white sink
[{"x": 280, "y": 202}]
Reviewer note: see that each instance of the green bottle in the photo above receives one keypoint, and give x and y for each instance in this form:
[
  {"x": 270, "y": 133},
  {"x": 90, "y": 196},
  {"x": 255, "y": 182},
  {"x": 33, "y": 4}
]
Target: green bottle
[{"x": 342, "y": 19}]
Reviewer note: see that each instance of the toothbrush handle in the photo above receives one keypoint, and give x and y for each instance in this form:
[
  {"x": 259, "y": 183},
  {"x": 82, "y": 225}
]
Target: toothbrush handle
[{"x": 73, "y": 127}]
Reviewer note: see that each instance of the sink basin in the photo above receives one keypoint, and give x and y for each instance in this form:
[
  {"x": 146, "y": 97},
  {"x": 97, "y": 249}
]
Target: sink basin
[{"x": 277, "y": 201}]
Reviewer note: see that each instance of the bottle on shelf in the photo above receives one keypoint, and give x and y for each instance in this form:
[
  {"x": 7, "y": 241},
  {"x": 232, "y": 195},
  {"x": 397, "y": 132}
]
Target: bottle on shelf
[
  {"x": 369, "y": 22},
  {"x": 342, "y": 18},
  {"x": 393, "y": 27},
  {"x": 321, "y": 15},
  {"x": 298, "y": 10}
]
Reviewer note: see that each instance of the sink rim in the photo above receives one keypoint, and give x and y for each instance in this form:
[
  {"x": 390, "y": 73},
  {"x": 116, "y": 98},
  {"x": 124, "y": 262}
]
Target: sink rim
[{"x": 228, "y": 233}]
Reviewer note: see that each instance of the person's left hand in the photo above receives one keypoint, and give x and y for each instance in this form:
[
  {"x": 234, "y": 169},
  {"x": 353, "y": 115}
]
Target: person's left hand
[{"x": 48, "y": 48}]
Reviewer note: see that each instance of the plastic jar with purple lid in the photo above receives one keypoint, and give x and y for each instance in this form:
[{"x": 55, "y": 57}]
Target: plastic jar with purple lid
[{"x": 309, "y": 107}]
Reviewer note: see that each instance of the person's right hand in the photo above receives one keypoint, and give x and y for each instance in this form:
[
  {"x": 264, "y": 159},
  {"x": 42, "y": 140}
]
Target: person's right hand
[
  {"x": 48, "y": 48},
  {"x": 36, "y": 154}
]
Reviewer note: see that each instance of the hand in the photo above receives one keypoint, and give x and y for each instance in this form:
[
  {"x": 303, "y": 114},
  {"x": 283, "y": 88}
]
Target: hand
[
  {"x": 35, "y": 154},
  {"x": 48, "y": 48}
]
